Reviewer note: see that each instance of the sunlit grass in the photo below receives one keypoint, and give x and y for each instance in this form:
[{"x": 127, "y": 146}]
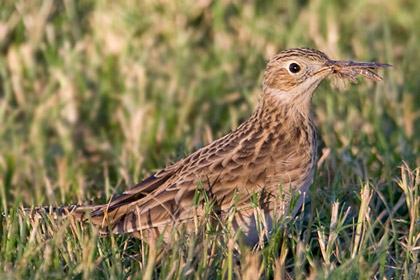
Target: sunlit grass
[{"x": 95, "y": 95}]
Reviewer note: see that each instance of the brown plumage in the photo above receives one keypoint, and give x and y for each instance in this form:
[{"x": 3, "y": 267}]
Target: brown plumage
[{"x": 275, "y": 147}]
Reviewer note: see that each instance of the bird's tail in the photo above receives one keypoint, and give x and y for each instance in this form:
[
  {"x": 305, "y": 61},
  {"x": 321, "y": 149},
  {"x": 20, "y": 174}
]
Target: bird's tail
[{"x": 77, "y": 212}]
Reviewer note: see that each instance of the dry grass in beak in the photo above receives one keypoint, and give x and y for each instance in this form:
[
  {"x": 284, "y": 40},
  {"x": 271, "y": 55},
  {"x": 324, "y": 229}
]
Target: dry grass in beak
[{"x": 349, "y": 70}]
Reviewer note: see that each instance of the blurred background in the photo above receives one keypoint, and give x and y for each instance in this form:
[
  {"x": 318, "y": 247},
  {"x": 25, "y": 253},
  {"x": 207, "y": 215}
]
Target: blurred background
[{"x": 95, "y": 95}]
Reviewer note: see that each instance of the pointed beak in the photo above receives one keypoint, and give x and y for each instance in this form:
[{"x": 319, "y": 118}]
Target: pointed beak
[{"x": 350, "y": 69}]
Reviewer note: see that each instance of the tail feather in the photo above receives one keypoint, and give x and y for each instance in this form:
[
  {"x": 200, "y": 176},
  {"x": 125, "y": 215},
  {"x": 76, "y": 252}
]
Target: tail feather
[
  {"x": 80, "y": 213},
  {"x": 77, "y": 212}
]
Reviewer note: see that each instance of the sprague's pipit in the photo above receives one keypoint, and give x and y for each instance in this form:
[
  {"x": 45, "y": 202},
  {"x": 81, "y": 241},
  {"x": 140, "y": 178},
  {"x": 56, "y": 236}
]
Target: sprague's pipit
[{"x": 273, "y": 154}]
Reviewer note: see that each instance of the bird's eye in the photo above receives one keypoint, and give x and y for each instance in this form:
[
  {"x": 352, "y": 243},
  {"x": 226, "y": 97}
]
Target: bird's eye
[{"x": 294, "y": 68}]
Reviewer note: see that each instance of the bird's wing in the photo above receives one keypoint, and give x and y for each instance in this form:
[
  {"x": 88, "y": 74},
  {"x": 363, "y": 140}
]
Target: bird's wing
[
  {"x": 169, "y": 195},
  {"x": 141, "y": 190}
]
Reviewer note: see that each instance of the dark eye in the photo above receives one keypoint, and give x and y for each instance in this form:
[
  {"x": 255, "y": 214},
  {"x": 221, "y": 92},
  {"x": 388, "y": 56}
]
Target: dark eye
[{"x": 294, "y": 68}]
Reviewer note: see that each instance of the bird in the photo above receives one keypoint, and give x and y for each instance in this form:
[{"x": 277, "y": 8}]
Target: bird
[{"x": 271, "y": 156}]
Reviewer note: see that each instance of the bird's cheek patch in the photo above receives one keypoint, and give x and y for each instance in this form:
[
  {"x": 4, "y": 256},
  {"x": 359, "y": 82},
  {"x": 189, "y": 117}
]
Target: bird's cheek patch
[{"x": 281, "y": 79}]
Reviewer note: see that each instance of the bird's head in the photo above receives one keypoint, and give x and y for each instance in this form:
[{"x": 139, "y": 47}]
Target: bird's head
[{"x": 294, "y": 74}]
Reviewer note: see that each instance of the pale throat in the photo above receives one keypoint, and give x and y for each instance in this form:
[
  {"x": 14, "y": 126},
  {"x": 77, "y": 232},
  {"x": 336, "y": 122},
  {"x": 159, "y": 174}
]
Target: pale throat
[{"x": 294, "y": 102}]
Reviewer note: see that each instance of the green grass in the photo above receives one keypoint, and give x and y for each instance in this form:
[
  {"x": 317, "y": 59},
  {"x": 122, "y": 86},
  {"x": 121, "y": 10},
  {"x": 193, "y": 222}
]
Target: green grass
[{"x": 96, "y": 95}]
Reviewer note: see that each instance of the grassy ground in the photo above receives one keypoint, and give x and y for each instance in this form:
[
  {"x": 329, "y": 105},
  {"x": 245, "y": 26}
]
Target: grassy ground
[{"x": 96, "y": 95}]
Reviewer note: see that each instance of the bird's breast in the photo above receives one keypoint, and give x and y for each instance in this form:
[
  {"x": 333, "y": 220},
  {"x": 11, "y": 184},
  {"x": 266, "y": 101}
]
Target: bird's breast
[{"x": 293, "y": 158}]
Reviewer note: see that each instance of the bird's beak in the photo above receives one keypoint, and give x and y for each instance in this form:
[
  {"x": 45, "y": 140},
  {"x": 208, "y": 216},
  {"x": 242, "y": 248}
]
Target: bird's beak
[{"x": 349, "y": 69}]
